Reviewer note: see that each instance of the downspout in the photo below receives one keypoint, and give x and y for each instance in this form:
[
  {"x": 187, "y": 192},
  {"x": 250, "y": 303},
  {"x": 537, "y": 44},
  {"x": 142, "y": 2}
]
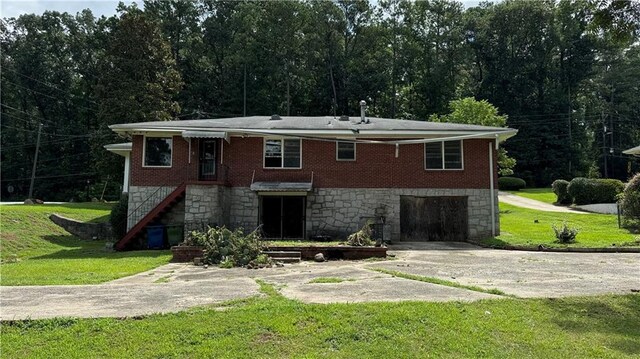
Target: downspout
[{"x": 493, "y": 197}]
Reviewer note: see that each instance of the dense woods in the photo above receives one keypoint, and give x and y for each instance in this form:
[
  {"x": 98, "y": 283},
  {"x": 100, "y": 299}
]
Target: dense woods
[{"x": 565, "y": 73}]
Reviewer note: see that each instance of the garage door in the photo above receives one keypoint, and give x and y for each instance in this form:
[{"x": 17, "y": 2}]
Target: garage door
[{"x": 433, "y": 218}]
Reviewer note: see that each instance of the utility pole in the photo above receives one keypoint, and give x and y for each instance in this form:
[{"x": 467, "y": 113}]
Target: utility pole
[
  {"x": 244, "y": 94},
  {"x": 35, "y": 162},
  {"x": 604, "y": 146},
  {"x": 570, "y": 135}
]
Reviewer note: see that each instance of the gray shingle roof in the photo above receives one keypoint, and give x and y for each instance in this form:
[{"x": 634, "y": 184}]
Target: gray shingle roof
[{"x": 325, "y": 123}]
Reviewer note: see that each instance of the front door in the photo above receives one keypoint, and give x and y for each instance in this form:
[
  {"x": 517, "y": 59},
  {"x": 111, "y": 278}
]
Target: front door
[
  {"x": 207, "y": 170},
  {"x": 283, "y": 216}
]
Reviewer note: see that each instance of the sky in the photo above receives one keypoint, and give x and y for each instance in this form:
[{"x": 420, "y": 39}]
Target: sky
[{"x": 15, "y": 8}]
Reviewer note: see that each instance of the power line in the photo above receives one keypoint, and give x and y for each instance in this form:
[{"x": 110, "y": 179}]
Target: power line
[
  {"x": 49, "y": 96},
  {"x": 56, "y": 176},
  {"x": 48, "y": 84}
]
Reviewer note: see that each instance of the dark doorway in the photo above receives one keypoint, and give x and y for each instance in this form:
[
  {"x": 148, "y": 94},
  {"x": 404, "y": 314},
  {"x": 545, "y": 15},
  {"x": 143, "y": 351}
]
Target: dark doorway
[
  {"x": 283, "y": 216},
  {"x": 433, "y": 218},
  {"x": 207, "y": 171}
]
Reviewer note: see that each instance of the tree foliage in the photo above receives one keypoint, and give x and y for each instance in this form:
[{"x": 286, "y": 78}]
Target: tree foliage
[{"x": 560, "y": 71}]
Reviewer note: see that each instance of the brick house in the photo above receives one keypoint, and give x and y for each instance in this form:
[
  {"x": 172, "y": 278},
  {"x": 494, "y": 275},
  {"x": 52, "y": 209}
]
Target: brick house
[{"x": 300, "y": 177}]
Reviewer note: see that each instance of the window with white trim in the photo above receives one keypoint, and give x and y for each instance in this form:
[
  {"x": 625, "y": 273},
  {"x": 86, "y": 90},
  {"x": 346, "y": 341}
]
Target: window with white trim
[
  {"x": 157, "y": 151},
  {"x": 345, "y": 151},
  {"x": 446, "y": 155},
  {"x": 282, "y": 153}
]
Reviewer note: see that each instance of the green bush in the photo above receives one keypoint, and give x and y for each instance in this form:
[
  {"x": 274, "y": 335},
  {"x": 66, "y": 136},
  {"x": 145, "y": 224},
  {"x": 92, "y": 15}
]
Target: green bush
[
  {"x": 631, "y": 199},
  {"x": 588, "y": 191},
  {"x": 118, "y": 217},
  {"x": 560, "y": 189},
  {"x": 227, "y": 248},
  {"x": 511, "y": 183}
]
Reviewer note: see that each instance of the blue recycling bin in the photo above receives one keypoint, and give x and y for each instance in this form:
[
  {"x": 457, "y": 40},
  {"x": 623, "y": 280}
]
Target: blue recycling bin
[{"x": 155, "y": 237}]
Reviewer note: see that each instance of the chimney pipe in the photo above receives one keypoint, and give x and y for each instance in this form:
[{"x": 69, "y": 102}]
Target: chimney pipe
[{"x": 363, "y": 108}]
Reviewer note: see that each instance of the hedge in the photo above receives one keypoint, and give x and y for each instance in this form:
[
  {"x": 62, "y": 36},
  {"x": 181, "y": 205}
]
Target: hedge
[
  {"x": 560, "y": 189},
  {"x": 511, "y": 183},
  {"x": 631, "y": 199},
  {"x": 589, "y": 191}
]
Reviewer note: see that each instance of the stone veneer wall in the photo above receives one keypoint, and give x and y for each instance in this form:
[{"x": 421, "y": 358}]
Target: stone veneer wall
[
  {"x": 339, "y": 211},
  {"x": 138, "y": 195},
  {"x": 333, "y": 211},
  {"x": 204, "y": 206}
]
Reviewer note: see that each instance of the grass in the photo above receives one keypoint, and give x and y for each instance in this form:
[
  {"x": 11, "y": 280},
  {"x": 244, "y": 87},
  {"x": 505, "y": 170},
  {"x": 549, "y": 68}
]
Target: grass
[
  {"x": 438, "y": 281},
  {"x": 35, "y": 251},
  {"x": 324, "y": 280},
  {"x": 273, "y": 326},
  {"x": 518, "y": 227},
  {"x": 539, "y": 194}
]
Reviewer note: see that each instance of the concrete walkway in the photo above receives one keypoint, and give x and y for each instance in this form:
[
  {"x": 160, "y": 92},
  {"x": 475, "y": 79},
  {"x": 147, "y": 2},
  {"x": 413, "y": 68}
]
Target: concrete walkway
[
  {"x": 516, "y": 200},
  {"x": 175, "y": 287}
]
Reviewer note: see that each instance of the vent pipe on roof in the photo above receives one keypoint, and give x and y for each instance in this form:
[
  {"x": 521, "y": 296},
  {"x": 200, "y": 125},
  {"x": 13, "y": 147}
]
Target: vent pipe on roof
[
  {"x": 275, "y": 118},
  {"x": 363, "y": 108}
]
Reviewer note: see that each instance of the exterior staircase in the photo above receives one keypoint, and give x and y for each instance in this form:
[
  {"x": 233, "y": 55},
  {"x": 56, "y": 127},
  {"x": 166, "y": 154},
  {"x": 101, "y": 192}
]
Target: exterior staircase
[
  {"x": 284, "y": 256},
  {"x": 156, "y": 213}
]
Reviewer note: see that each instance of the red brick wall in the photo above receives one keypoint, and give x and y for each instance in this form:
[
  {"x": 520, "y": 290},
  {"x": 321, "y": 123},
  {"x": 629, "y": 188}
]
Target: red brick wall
[
  {"x": 375, "y": 167},
  {"x": 179, "y": 171}
]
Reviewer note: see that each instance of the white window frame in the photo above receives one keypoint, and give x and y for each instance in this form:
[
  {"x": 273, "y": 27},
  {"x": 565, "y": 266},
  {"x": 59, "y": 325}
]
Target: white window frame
[
  {"x": 424, "y": 153},
  {"x": 144, "y": 152},
  {"x": 347, "y": 159},
  {"x": 281, "y": 139}
]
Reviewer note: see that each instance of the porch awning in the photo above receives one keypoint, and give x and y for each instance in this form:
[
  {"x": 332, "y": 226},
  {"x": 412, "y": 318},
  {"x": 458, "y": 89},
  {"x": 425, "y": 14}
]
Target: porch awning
[
  {"x": 297, "y": 188},
  {"x": 205, "y": 134},
  {"x": 121, "y": 149}
]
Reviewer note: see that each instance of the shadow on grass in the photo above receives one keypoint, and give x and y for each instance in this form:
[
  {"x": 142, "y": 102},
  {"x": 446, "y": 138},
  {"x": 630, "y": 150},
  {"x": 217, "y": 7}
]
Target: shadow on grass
[
  {"x": 91, "y": 249},
  {"x": 597, "y": 316}
]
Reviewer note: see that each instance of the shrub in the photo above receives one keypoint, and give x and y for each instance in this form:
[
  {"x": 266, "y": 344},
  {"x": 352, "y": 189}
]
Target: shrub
[
  {"x": 560, "y": 189},
  {"x": 511, "y": 183},
  {"x": 361, "y": 238},
  {"x": 631, "y": 199},
  {"x": 227, "y": 248},
  {"x": 588, "y": 191},
  {"x": 565, "y": 234},
  {"x": 118, "y": 217}
]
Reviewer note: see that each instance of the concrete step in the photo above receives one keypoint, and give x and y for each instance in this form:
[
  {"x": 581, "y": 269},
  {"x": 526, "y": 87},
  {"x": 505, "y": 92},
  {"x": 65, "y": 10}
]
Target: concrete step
[
  {"x": 283, "y": 254},
  {"x": 287, "y": 259}
]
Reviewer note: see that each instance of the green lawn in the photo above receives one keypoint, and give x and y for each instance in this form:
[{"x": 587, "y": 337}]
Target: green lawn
[
  {"x": 539, "y": 194},
  {"x": 274, "y": 327},
  {"x": 518, "y": 227},
  {"x": 47, "y": 254}
]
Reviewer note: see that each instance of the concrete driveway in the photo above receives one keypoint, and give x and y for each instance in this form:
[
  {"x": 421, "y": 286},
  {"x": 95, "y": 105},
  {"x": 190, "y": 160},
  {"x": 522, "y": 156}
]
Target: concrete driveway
[{"x": 175, "y": 287}]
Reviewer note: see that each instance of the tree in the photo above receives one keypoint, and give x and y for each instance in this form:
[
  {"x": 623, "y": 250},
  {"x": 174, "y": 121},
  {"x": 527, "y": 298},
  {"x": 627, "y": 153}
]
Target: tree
[
  {"x": 470, "y": 111},
  {"x": 138, "y": 81}
]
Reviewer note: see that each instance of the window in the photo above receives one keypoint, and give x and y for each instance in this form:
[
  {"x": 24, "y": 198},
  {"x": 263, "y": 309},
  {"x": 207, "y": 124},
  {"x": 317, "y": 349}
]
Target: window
[
  {"x": 157, "y": 151},
  {"x": 446, "y": 155},
  {"x": 345, "y": 151},
  {"x": 282, "y": 153}
]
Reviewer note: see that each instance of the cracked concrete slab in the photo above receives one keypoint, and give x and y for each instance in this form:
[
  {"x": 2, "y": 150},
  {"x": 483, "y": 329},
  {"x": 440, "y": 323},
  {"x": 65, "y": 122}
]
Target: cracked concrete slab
[
  {"x": 118, "y": 300},
  {"x": 174, "y": 287},
  {"x": 524, "y": 274}
]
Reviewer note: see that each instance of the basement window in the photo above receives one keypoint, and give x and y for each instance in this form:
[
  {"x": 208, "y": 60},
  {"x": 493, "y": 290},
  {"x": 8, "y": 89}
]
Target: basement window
[
  {"x": 282, "y": 153},
  {"x": 157, "y": 151},
  {"x": 446, "y": 155},
  {"x": 345, "y": 151}
]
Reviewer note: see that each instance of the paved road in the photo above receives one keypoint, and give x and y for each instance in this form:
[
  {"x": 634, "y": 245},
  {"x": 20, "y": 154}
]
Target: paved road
[
  {"x": 515, "y": 200},
  {"x": 175, "y": 287}
]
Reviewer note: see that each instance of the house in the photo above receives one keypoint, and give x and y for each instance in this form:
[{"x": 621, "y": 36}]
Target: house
[
  {"x": 304, "y": 176},
  {"x": 635, "y": 151}
]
